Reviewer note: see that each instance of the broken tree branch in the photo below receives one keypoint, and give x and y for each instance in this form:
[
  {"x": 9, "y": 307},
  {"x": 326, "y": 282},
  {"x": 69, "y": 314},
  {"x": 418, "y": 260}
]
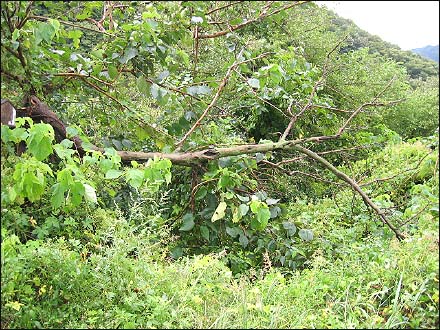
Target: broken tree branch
[{"x": 353, "y": 184}]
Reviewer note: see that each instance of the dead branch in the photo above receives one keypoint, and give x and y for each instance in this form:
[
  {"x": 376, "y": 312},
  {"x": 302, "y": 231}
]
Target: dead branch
[
  {"x": 262, "y": 15},
  {"x": 222, "y": 7},
  {"x": 42, "y": 18},
  {"x": 398, "y": 174},
  {"x": 292, "y": 160},
  {"x": 353, "y": 184},
  {"x": 292, "y": 173}
]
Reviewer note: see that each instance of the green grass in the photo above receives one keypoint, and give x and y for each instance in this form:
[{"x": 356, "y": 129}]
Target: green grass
[{"x": 377, "y": 285}]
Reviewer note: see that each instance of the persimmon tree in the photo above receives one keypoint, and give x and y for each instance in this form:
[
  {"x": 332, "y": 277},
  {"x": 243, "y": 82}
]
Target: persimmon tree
[{"x": 201, "y": 84}]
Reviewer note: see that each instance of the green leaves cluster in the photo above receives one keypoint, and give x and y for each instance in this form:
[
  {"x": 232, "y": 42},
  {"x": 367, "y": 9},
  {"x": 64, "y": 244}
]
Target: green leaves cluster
[
  {"x": 153, "y": 175},
  {"x": 68, "y": 184}
]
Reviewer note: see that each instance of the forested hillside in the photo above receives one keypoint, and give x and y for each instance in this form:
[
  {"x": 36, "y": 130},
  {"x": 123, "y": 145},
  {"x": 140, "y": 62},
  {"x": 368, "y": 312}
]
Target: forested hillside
[
  {"x": 214, "y": 164},
  {"x": 416, "y": 65}
]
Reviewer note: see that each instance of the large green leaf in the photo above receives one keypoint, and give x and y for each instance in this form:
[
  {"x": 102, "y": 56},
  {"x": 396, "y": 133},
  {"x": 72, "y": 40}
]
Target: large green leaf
[
  {"x": 135, "y": 177},
  {"x": 305, "y": 234},
  {"x": 44, "y": 31},
  {"x": 188, "y": 222},
  {"x": 90, "y": 194},
  {"x": 40, "y": 140},
  {"x": 204, "y": 231},
  {"x": 142, "y": 85}
]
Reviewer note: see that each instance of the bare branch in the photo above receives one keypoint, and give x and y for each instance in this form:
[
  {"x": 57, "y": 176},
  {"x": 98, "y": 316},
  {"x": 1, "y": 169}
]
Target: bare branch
[
  {"x": 99, "y": 89},
  {"x": 355, "y": 113},
  {"x": 292, "y": 160},
  {"x": 353, "y": 184},
  {"x": 313, "y": 92},
  {"x": 26, "y": 16},
  {"x": 398, "y": 174},
  {"x": 292, "y": 173},
  {"x": 11, "y": 76},
  {"x": 43, "y": 18},
  {"x": 222, "y": 7},
  {"x": 216, "y": 96},
  {"x": 79, "y": 75},
  {"x": 262, "y": 15},
  {"x": 18, "y": 55}
]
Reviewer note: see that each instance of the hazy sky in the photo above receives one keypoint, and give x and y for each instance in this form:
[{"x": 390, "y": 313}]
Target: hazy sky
[{"x": 408, "y": 24}]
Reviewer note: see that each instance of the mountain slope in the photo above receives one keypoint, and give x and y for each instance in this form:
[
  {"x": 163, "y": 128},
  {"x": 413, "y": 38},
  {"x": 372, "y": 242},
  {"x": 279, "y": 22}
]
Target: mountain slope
[
  {"x": 416, "y": 65},
  {"x": 430, "y": 52}
]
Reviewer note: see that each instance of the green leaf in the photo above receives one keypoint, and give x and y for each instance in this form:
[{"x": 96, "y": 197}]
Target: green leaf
[
  {"x": 113, "y": 174},
  {"x": 163, "y": 75},
  {"x": 254, "y": 83},
  {"x": 135, "y": 177},
  {"x": 44, "y": 31},
  {"x": 274, "y": 211},
  {"x": 201, "y": 193},
  {"x": 188, "y": 222},
  {"x": 263, "y": 216},
  {"x": 204, "y": 90},
  {"x": 305, "y": 234},
  {"x": 15, "y": 35},
  {"x": 55, "y": 23},
  {"x": 255, "y": 206},
  {"x": 157, "y": 92},
  {"x": 204, "y": 232},
  {"x": 75, "y": 35},
  {"x": 243, "y": 208},
  {"x": 271, "y": 201},
  {"x": 128, "y": 55},
  {"x": 176, "y": 252},
  {"x": 57, "y": 195},
  {"x": 244, "y": 241},
  {"x": 77, "y": 191},
  {"x": 290, "y": 227},
  {"x": 142, "y": 85},
  {"x": 219, "y": 212},
  {"x": 233, "y": 231},
  {"x": 40, "y": 140},
  {"x": 97, "y": 53},
  {"x": 243, "y": 198},
  {"x": 196, "y": 90},
  {"x": 112, "y": 72},
  {"x": 90, "y": 194}
]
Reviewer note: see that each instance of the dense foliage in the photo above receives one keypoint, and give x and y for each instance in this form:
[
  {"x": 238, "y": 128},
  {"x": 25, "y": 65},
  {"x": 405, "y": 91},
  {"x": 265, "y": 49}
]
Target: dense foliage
[{"x": 243, "y": 164}]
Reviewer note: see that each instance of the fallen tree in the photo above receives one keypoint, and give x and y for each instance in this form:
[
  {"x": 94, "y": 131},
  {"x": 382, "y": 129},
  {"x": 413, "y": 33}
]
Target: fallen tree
[
  {"x": 40, "y": 112},
  {"x": 130, "y": 61}
]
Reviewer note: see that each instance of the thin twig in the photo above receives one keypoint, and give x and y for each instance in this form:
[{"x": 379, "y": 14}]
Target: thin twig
[
  {"x": 398, "y": 174},
  {"x": 222, "y": 7},
  {"x": 42, "y": 18},
  {"x": 262, "y": 15},
  {"x": 312, "y": 93}
]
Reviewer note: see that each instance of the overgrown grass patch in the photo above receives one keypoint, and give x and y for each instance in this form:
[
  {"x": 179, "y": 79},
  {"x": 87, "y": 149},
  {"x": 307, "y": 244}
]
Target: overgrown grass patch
[{"x": 378, "y": 285}]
